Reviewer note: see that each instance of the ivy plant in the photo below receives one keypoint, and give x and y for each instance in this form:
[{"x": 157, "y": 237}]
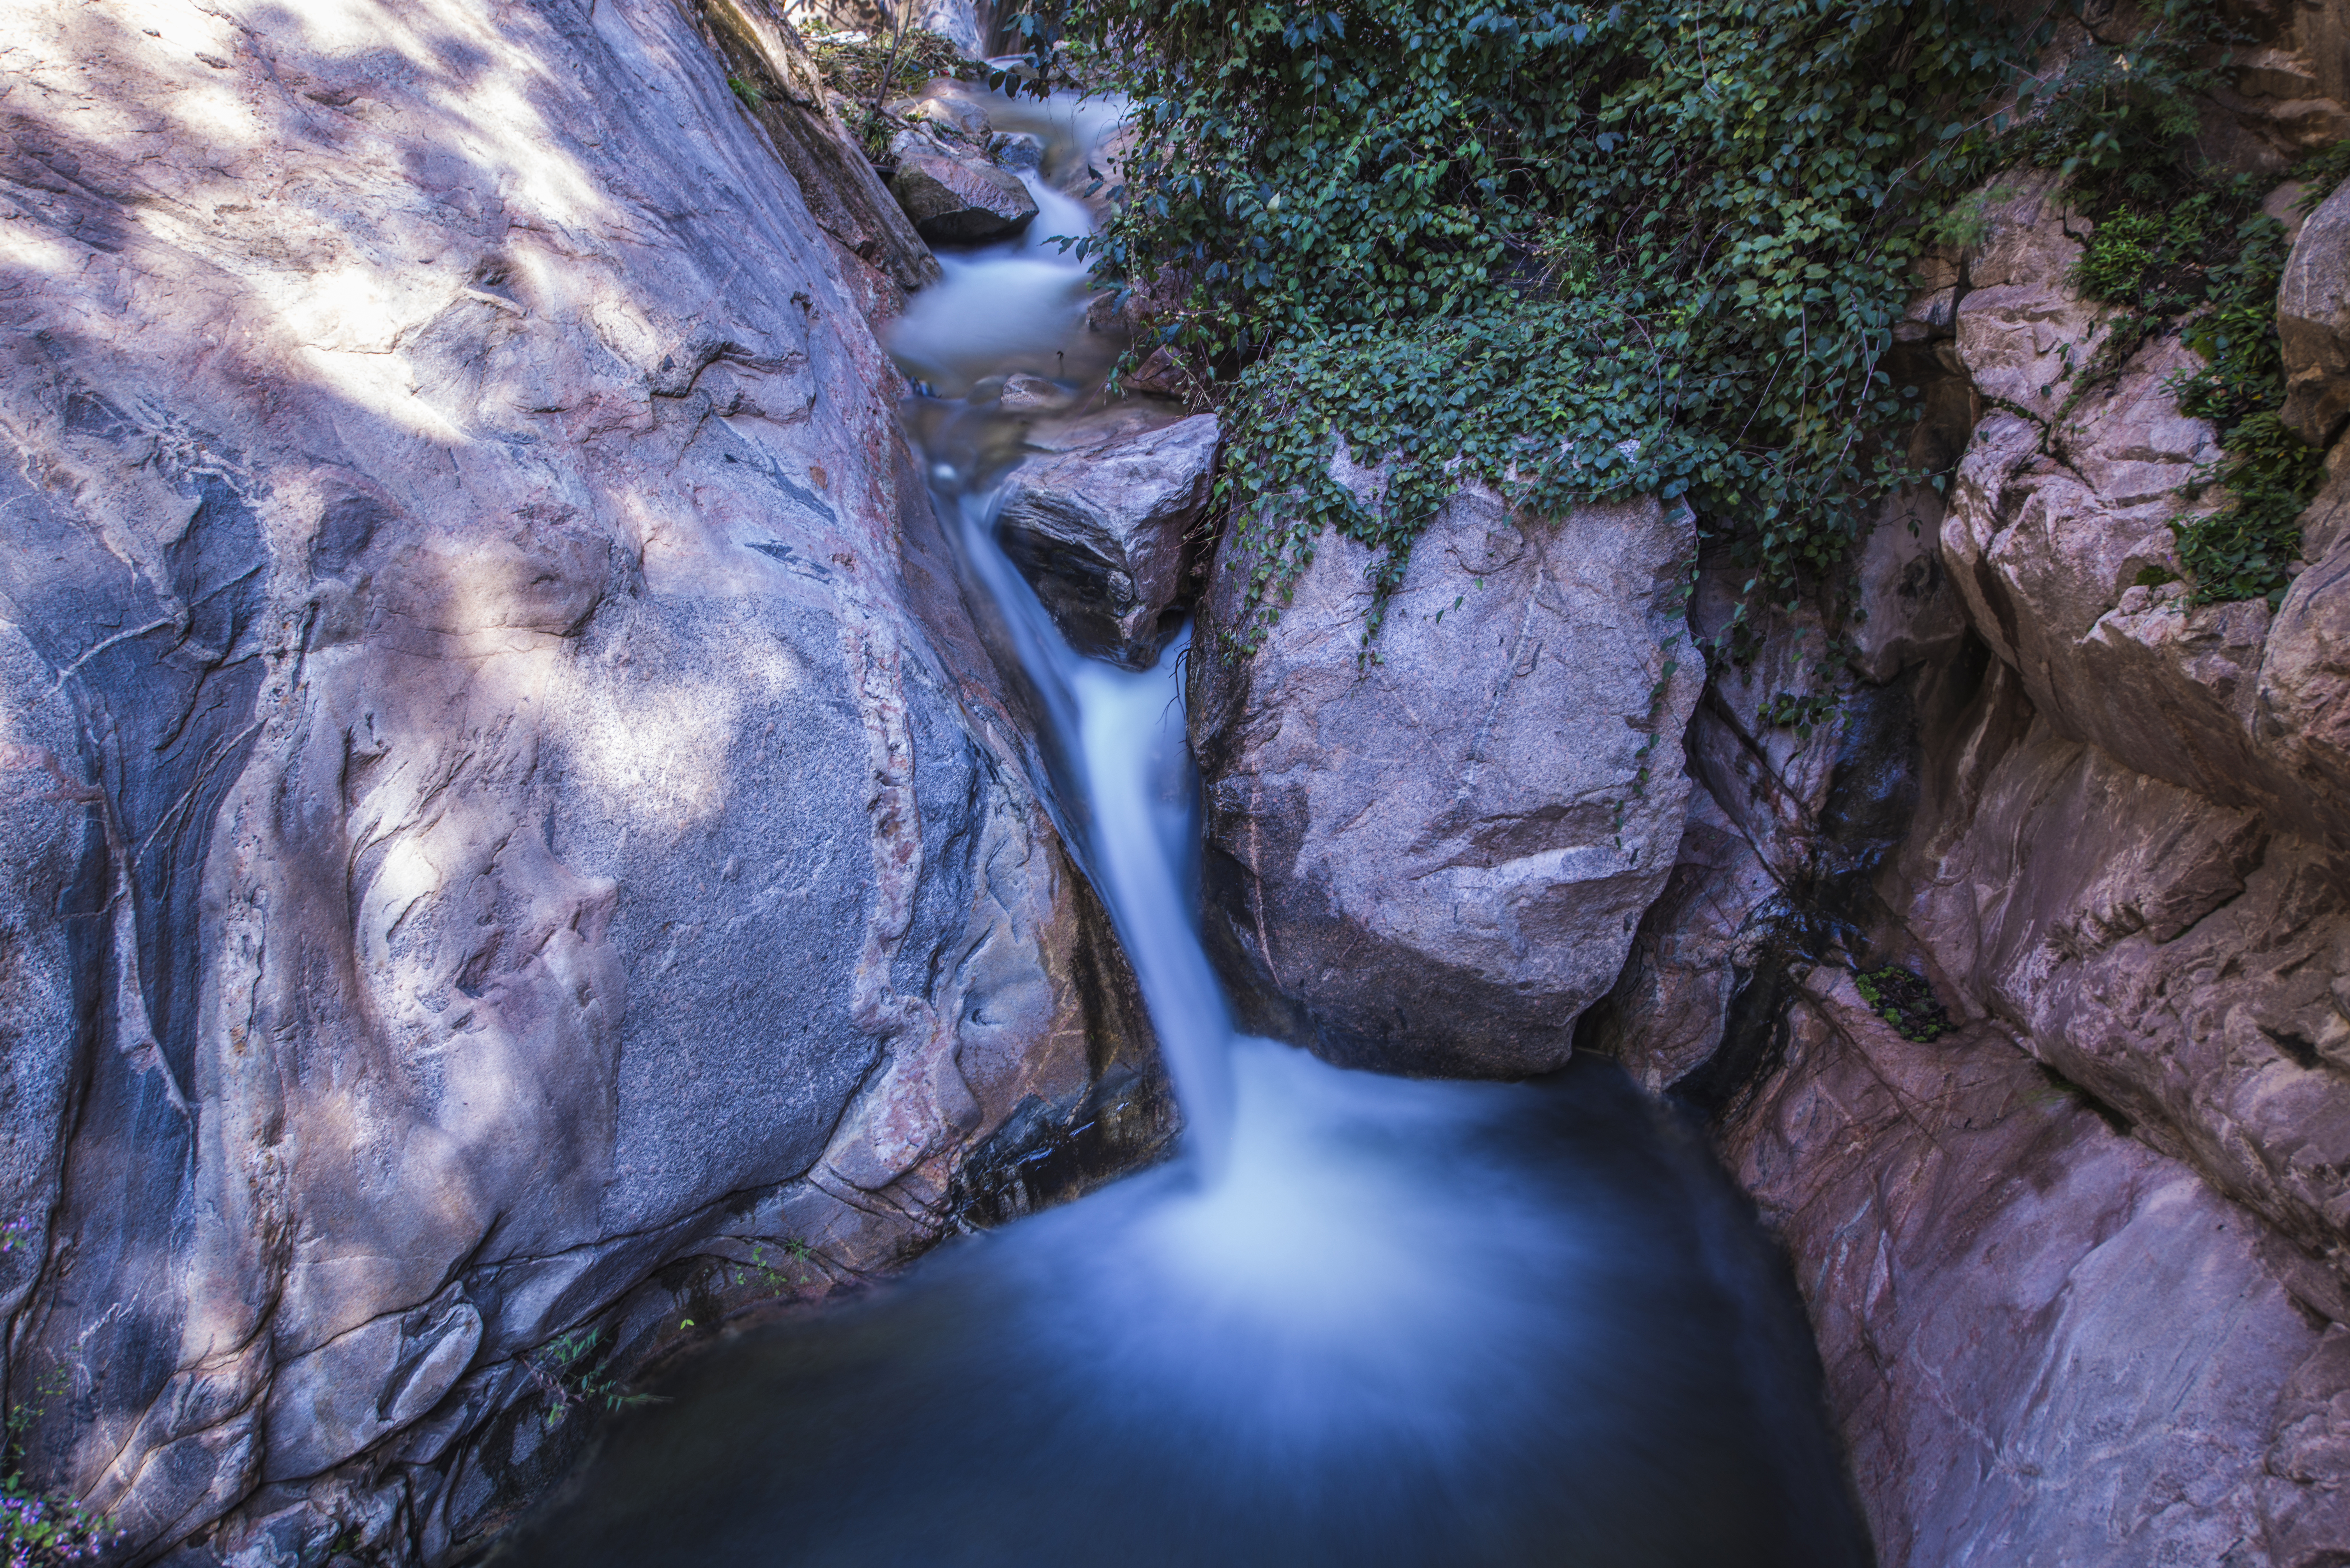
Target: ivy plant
[{"x": 1567, "y": 250}]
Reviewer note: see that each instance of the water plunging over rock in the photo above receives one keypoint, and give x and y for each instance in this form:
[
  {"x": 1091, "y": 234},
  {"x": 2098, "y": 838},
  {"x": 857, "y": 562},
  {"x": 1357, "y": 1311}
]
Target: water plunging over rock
[{"x": 1367, "y": 1321}]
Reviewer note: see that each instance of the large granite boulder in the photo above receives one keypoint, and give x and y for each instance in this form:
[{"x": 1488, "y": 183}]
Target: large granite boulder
[
  {"x": 1096, "y": 521},
  {"x": 2314, "y": 322},
  {"x": 508, "y": 825},
  {"x": 1427, "y": 853}
]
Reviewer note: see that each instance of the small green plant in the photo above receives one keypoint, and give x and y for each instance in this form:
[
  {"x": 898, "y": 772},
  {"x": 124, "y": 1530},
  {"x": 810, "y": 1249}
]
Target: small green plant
[
  {"x": 777, "y": 1279},
  {"x": 43, "y": 1529},
  {"x": 751, "y": 96},
  {"x": 569, "y": 1370},
  {"x": 2321, "y": 171},
  {"x": 1799, "y": 711},
  {"x": 1902, "y": 998}
]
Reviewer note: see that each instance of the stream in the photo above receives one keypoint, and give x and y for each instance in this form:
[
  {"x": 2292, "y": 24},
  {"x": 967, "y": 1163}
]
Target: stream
[{"x": 1361, "y": 1320}]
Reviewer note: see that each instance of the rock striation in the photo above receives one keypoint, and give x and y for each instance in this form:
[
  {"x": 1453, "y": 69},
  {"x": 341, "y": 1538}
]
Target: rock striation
[{"x": 513, "y": 836}]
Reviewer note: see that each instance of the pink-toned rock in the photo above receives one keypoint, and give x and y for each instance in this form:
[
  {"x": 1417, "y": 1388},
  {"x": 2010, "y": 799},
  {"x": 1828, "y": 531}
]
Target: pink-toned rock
[
  {"x": 2176, "y": 956},
  {"x": 2059, "y": 535},
  {"x": 2045, "y": 1342}
]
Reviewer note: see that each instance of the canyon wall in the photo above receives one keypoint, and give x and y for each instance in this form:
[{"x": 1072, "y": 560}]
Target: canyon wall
[
  {"x": 2071, "y": 1218},
  {"x": 516, "y": 850}
]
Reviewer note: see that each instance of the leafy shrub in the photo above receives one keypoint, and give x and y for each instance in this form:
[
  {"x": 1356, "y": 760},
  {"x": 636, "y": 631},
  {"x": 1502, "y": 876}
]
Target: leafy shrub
[
  {"x": 2180, "y": 249},
  {"x": 1902, "y": 998},
  {"x": 1514, "y": 232},
  {"x": 41, "y": 1529},
  {"x": 1524, "y": 233}
]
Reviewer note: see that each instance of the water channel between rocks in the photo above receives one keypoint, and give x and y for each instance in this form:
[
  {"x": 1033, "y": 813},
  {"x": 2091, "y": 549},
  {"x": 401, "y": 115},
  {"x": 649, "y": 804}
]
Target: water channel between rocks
[{"x": 1361, "y": 1321}]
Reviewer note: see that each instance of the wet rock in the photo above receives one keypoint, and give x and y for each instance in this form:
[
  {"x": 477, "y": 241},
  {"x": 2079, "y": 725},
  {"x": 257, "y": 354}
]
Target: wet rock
[
  {"x": 2314, "y": 322},
  {"x": 956, "y": 197},
  {"x": 1430, "y": 854},
  {"x": 1907, "y": 610},
  {"x": 1767, "y": 737},
  {"x": 1097, "y": 527},
  {"x": 503, "y": 806},
  {"x": 1018, "y": 151},
  {"x": 1994, "y": 1275}
]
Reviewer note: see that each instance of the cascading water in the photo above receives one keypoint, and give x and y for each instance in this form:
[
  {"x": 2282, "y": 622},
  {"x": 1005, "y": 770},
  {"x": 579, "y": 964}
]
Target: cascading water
[{"x": 1365, "y": 1321}]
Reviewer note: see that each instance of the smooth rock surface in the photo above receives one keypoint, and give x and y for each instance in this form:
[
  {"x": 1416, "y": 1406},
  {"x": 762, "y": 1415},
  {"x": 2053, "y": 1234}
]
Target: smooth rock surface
[
  {"x": 1098, "y": 522},
  {"x": 2047, "y": 1342},
  {"x": 1431, "y": 855},
  {"x": 2177, "y": 957},
  {"x": 534, "y": 831}
]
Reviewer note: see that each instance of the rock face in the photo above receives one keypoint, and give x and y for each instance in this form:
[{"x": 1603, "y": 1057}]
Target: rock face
[
  {"x": 1434, "y": 860},
  {"x": 2048, "y": 1343},
  {"x": 1097, "y": 521},
  {"x": 2108, "y": 1203},
  {"x": 534, "y": 833}
]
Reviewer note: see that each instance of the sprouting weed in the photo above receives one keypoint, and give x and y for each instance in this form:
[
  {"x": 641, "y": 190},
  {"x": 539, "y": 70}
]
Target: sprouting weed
[{"x": 569, "y": 1371}]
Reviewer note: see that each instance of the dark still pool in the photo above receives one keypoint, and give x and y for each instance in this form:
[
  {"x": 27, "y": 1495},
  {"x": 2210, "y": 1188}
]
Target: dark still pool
[{"x": 1409, "y": 1323}]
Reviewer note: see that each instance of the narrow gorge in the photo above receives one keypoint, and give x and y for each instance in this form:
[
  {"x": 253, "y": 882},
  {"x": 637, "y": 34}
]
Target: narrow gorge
[{"x": 1162, "y": 783}]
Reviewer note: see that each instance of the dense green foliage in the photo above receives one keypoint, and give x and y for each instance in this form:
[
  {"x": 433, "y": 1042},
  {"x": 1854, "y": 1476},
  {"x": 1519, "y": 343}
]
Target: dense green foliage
[
  {"x": 1590, "y": 250},
  {"x": 2178, "y": 248},
  {"x": 1526, "y": 234}
]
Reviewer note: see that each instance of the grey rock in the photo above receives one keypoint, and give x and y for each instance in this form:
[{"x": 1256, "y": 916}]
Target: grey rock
[
  {"x": 878, "y": 253},
  {"x": 1767, "y": 739},
  {"x": 1908, "y": 611},
  {"x": 1019, "y": 151},
  {"x": 1696, "y": 947},
  {"x": 1432, "y": 859},
  {"x": 955, "y": 197},
  {"x": 2314, "y": 322},
  {"x": 1097, "y": 527},
  {"x": 501, "y": 793}
]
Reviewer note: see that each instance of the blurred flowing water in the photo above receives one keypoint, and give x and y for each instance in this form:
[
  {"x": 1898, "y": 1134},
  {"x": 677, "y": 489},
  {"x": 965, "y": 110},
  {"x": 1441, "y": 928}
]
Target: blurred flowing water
[{"x": 1362, "y": 1321}]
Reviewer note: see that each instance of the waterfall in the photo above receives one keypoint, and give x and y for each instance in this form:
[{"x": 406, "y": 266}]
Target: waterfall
[{"x": 1366, "y": 1321}]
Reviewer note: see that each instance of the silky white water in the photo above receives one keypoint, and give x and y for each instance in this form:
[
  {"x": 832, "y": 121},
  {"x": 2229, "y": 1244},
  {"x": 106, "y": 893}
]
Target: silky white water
[{"x": 1361, "y": 1321}]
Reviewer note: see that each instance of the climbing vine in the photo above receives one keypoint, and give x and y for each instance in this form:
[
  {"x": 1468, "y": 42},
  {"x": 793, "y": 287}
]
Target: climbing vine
[
  {"x": 1570, "y": 251},
  {"x": 1573, "y": 251}
]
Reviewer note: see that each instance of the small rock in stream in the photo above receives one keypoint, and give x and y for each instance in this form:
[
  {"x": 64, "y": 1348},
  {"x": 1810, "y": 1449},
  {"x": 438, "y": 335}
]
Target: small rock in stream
[
  {"x": 954, "y": 199},
  {"x": 1097, "y": 527}
]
